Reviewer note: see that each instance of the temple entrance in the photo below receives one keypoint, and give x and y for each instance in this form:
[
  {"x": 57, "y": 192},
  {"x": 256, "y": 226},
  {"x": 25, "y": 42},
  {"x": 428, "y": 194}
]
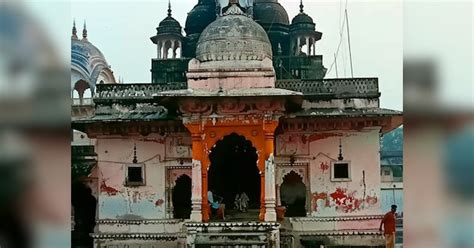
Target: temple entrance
[
  {"x": 182, "y": 198},
  {"x": 234, "y": 171},
  {"x": 293, "y": 195}
]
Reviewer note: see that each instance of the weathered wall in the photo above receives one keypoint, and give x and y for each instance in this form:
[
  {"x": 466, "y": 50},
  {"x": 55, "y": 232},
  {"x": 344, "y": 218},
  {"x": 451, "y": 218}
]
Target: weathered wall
[
  {"x": 117, "y": 201},
  {"x": 387, "y": 195},
  {"x": 358, "y": 196}
]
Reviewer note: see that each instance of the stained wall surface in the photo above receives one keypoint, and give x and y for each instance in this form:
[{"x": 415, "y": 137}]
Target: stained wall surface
[{"x": 359, "y": 195}]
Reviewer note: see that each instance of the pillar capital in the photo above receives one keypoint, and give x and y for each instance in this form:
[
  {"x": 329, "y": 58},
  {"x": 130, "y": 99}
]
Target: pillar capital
[
  {"x": 269, "y": 127},
  {"x": 194, "y": 128}
]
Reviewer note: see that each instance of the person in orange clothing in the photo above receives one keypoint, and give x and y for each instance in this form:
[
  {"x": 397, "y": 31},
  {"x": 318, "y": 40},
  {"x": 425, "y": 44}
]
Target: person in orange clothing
[{"x": 388, "y": 223}]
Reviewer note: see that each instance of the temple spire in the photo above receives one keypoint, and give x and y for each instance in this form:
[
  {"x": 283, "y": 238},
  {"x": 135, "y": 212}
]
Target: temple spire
[
  {"x": 84, "y": 32},
  {"x": 74, "y": 30},
  {"x": 169, "y": 8},
  {"x": 301, "y": 6}
]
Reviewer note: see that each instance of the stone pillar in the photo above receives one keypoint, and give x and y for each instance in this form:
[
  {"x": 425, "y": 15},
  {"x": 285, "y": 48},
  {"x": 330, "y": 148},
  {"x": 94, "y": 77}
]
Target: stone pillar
[
  {"x": 270, "y": 196},
  {"x": 308, "y": 47},
  {"x": 180, "y": 55},
  {"x": 298, "y": 44},
  {"x": 158, "y": 48},
  {"x": 173, "y": 48},
  {"x": 314, "y": 46},
  {"x": 165, "y": 49},
  {"x": 196, "y": 195}
]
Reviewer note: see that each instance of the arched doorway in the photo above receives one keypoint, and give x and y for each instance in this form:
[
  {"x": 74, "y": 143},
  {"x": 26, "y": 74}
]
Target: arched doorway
[
  {"x": 293, "y": 195},
  {"x": 84, "y": 205},
  {"x": 182, "y": 197},
  {"x": 234, "y": 170}
]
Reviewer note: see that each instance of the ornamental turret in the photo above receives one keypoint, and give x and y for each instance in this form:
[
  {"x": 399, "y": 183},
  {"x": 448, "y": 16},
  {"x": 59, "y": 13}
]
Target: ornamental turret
[
  {"x": 303, "y": 34},
  {"x": 168, "y": 38}
]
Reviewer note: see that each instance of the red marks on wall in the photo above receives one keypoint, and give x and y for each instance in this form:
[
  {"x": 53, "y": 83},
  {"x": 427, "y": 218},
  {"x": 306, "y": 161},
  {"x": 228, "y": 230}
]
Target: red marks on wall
[
  {"x": 344, "y": 201},
  {"x": 371, "y": 200},
  {"x": 104, "y": 188},
  {"x": 159, "y": 202},
  {"x": 324, "y": 166},
  {"x": 319, "y": 196},
  {"x": 320, "y": 136}
]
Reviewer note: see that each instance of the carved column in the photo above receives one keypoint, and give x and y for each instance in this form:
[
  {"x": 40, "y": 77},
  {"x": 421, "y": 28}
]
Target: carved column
[
  {"x": 298, "y": 46},
  {"x": 308, "y": 47},
  {"x": 173, "y": 47},
  {"x": 196, "y": 195},
  {"x": 270, "y": 194},
  {"x": 158, "y": 45},
  {"x": 165, "y": 49}
]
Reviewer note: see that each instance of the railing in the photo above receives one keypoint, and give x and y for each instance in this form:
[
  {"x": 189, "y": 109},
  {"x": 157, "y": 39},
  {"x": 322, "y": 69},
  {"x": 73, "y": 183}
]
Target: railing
[
  {"x": 345, "y": 87},
  {"x": 84, "y": 102},
  {"x": 338, "y": 87},
  {"x": 135, "y": 91}
]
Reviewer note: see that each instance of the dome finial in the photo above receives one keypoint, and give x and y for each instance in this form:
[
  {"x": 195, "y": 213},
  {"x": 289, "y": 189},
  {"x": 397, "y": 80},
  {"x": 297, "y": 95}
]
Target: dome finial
[
  {"x": 169, "y": 8},
  {"x": 233, "y": 8},
  {"x": 301, "y": 6},
  {"x": 84, "y": 31},
  {"x": 74, "y": 30}
]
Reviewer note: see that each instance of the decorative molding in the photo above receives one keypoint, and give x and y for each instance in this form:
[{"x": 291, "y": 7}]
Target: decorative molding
[
  {"x": 141, "y": 128},
  {"x": 141, "y": 236},
  {"x": 342, "y": 233},
  {"x": 233, "y": 224},
  {"x": 332, "y": 219},
  {"x": 311, "y": 125},
  {"x": 138, "y": 222}
]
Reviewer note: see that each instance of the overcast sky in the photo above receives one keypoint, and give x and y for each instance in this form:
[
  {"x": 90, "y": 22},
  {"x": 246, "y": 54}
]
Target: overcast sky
[{"x": 121, "y": 30}]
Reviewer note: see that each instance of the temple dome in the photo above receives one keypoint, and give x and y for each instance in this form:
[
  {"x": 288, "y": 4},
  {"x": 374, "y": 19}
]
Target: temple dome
[
  {"x": 169, "y": 25},
  {"x": 200, "y": 16},
  {"x": 270, "y": 13},
  {"x": 302, "y": 18},
  {"x": 88, "y": 64},
  {"x": 234, "y": 36}
]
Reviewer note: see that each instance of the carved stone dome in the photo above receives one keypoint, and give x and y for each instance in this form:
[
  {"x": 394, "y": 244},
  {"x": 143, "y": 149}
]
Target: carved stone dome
[
  {"x": 270, "y": 13},
  {"x": 234, "y": 36},
  {"x": 200, "y": 16}
]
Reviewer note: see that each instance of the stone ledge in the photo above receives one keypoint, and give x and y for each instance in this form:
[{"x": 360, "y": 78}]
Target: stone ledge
[
  {"x": 329, "y": 219},
  {"x": 141, "y": 236},
  {"x": 341, "y": 233},
  {"x": 233, "y": 224},
  {"x": 139, "y": 222}
]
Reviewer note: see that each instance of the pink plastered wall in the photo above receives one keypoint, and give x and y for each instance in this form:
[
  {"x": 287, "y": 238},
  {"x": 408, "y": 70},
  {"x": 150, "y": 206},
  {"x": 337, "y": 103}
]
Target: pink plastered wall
[
  {"x": 361, "y": 194},
  {"x": 117, "y": 201}
]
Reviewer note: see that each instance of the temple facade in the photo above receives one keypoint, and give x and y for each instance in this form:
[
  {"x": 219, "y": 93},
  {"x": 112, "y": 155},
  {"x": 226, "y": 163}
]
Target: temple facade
[{"x": 240, "y": 104}]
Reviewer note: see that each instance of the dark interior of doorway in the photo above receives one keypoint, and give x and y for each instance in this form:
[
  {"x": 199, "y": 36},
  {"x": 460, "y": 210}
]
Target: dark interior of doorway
[
  {"x": 293, "y": 195},
  {"x": 84, "y": 205},
  {"x": 182, "y": 197},
  {"x": 234, "y": 170}
]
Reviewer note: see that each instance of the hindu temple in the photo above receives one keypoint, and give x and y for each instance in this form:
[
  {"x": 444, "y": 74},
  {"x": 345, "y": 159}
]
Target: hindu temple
[{"x": 237, "y": 103}]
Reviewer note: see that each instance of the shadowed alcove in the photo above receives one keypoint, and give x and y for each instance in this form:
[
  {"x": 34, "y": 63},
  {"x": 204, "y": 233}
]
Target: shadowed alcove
[{"x": 234, "y": 170}]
